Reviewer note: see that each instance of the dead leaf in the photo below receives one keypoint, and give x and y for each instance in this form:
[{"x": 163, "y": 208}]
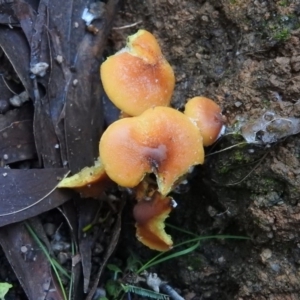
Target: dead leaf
[
  {"x": 18, "y": 56},
  {"x": 115, "y": 234},
  {"x": 26, "y": 17},
  {"x": 29, "y": 263},
  {"x": 16, "y": 137},
  {"x": 6, "y": 15},
  {"x": 27, "y": 193}
]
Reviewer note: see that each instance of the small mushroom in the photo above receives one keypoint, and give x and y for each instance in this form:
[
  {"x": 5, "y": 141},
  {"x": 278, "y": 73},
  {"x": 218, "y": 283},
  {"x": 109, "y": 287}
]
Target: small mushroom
[
  {"x": 89, "y": 182},
  {"x": 150, "y": 216},
  {"x": 138, "y": 76},
  {"x": 208, "y": 116},
  {"x": 162, "y": 141}
]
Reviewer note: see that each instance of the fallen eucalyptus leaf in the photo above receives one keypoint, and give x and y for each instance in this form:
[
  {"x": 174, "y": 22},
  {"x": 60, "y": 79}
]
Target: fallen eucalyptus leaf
[{"x": 27, "y": 193}]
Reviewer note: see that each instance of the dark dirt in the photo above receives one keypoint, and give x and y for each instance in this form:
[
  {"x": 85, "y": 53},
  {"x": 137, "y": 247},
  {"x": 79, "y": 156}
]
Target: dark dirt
[{"x": 246, "y": 56}]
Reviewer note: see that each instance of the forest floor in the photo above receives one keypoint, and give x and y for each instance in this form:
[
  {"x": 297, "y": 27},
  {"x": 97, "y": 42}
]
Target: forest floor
[{"x": 245, "y": 55}]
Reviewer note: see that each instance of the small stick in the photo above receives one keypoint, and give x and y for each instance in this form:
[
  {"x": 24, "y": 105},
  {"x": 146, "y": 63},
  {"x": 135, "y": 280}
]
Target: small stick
[{"x": 127, "y": 26}]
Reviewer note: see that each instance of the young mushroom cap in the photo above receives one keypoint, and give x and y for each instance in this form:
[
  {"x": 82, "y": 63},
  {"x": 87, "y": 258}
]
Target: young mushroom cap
[
  {"x": 150, "y": 216},
  {"x": 138, "y": 77},
  {"x": 208, "y": 116},
  {"x": 162, "y": 141}
]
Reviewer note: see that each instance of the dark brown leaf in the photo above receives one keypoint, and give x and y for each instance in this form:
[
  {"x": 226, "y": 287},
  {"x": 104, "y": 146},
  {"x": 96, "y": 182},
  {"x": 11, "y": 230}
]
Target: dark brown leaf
[
  {"x": 70, "y": 213},
  {"x": 16, "y": 115},
  {"x": 15, "y": 46},
  {"x": 6, "y": 15},
  {"x": 69, "y": 27},
  {"x": 49, "y": 105},
  {"x": 115, "y": 234},
  {"x": 71, "y": 48},
  {"x": 27, "y": 193},
  {"x": 16, "y": 136},
  {"x": 29, "y": 263},
  {"x": 84, "y": 113},
  {"x": 26, "y": 17},
  {"x": 86, "y": 215},
  {"x": 4, "y": 91}
]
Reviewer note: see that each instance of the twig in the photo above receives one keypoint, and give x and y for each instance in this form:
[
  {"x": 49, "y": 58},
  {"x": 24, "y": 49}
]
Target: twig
[
  {"x": 127, "y": 26},
  {"x": 256, "y": 166}
]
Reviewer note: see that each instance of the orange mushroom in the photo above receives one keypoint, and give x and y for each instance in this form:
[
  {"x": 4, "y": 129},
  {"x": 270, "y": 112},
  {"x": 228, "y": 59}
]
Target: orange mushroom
[
  {"x": 138, "y": 77},
  {"x": 208, "y": 116},
  {"x": 150, "y": 216},
  {"x": 162, "y": 141},
  {"x": 89, "y": 182}
]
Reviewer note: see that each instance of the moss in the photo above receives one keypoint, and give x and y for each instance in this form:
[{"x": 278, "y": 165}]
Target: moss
[
  {"x": 238, "y": 156},
  {"x": 284, "y": 3},
  {"x": 224, "y": 169},
  {"x": 241, "y": 156},
  {"x": 266, "y": 103},
  {"x": 264, "y": 185},
  {"x": 279, "y": 27},
  {"x": 235, "y": 158},
  {"x": 283, "y": 35},
  {"x": 194, "y": 262}
]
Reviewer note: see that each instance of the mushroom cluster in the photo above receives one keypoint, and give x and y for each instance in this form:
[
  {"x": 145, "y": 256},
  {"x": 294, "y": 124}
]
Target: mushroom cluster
[{"x": 153, "y": 139}]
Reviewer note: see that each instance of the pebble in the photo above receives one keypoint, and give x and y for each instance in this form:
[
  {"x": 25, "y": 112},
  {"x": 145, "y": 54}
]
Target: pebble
[
  {"x": 60, "y": 246},
  {"x": 266, "y": 254},
  {"x": 275, "y": 267},
  {"x": 99, "y": 293},
  {"x": 98, "y": 248},
  {"x": 18, "y": 100},
  {"x": 205, "y": 18},
  {"x": 238, "y": 103},
  {"x": 4, "y": 106},
  {"x": 221, "y": 259},
  {"x": 39, "y": 69},
  {"x": 49, "y": 229},
  {"x": 62, "y": 257}
]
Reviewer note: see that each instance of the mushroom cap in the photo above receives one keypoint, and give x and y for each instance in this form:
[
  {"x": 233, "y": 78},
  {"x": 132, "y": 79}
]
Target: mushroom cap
[
  {"x": 162, "y": 141},
  {"x": 150, "y": 216},
  {"x": 138, "y": 77},
  {"x": 207, "y": 115},
  {"x": 89, "y": 182}
]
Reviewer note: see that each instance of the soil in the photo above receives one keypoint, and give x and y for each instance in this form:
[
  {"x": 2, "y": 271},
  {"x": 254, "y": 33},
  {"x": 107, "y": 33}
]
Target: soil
[{"x": 246, "y": 56}]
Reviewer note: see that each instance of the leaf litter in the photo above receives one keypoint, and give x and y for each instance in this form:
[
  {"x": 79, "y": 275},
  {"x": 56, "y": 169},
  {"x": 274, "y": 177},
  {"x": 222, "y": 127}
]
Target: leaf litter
[{"x": 58, "y": 133}]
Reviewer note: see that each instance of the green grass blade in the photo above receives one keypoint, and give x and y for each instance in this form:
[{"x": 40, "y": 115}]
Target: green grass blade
[
  {"x": 72, "y": 273},
  {"x": 35, "y": 237},
  {"x": 145, "y": 292},
  {"x": 180, "y": 229},
  {"x": 155, "y": 260},
  {"x": 174, "y": 255},
  {"x": 60, "y": 268}
]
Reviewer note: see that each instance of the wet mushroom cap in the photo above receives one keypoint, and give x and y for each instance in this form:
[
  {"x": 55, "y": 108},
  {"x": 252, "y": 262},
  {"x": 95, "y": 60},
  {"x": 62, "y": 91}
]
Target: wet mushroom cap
[
  {"x": 138, "y": 77},
  {"x": 207, "y": 115},
  {"x": 162, "y": 141},
  {"x": 150, "y": 216}
]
